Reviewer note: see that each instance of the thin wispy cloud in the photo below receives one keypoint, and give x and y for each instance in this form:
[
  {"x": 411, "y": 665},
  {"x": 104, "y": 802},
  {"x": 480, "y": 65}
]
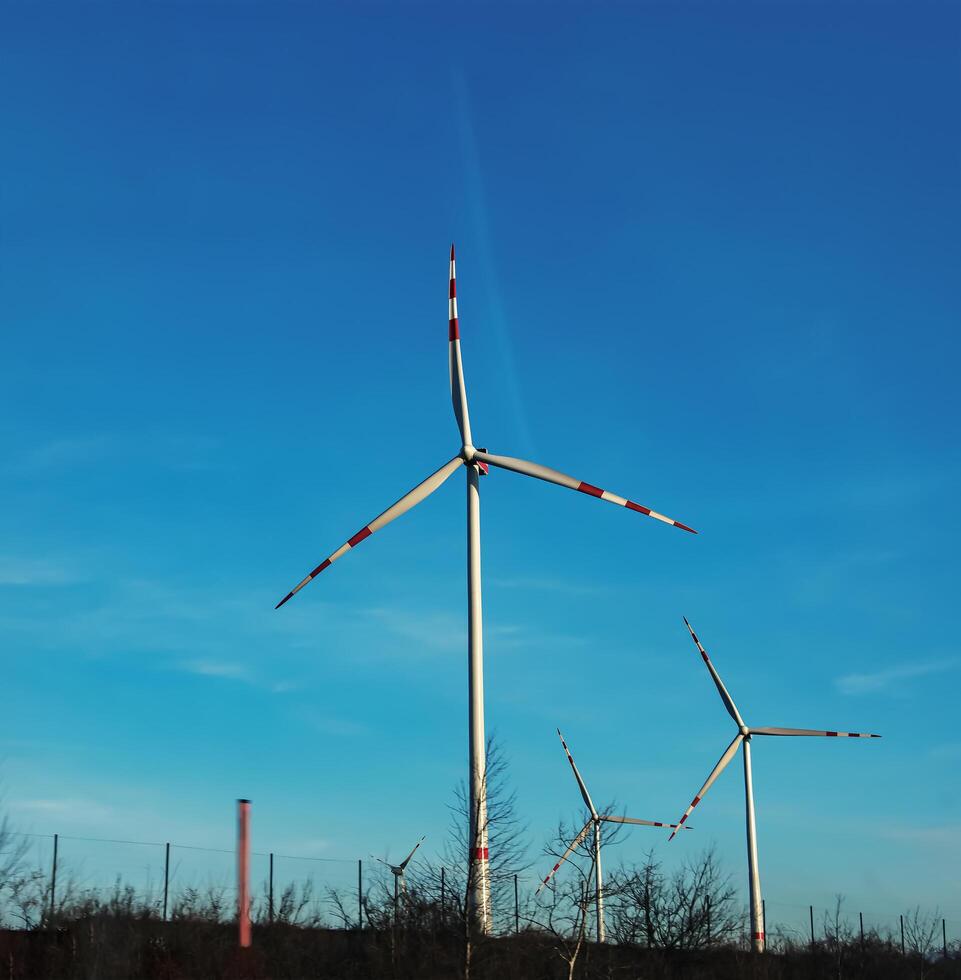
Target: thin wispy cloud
[
  {"x": 435, "y": 632},
  {"x": 487, "y": 267},
  {"x": 28, "y": 571},
  {"x": 79, "y": 810},
  {"x": 890, "y": 677},
  {"x": 946, "y": 750},
  {"x": 331, "y": 724},
  {"x": 947, "y": 836},
  {"x": 216, "y": 668},
  {"x": 65, "y": 453},
  {"x": 536, "y": 583},
  {"x": 159, "y": 449}
]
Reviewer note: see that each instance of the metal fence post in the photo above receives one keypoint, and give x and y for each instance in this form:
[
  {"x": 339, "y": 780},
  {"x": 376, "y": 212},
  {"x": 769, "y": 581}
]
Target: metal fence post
[
  {"x": 517, "y": 909},
  {"x": 166, "y": 876},
  {"x": 53, "y": 877},
  {"x": 811, "y": 910},
  {"x": 270, "y": 891},
  {"x": 902, "y": 934}
]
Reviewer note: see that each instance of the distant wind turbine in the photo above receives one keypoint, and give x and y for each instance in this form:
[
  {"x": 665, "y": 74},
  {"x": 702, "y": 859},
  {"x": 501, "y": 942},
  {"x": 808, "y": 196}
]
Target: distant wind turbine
[
  {"x": 397, "y": 870},
  {"x": 476, "y": 462},
  {"x": 595, "y": 821},
  {"x": 743, "y": 740}
]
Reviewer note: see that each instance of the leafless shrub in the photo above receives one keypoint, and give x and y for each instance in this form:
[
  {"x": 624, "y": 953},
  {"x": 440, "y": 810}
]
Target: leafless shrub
[
  {"x": 920, "y": 930},
  {"x": 694, "y": 908}
]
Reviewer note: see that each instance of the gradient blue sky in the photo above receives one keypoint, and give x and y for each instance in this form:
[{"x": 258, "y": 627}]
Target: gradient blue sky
[{"x": 708, "y": 258}]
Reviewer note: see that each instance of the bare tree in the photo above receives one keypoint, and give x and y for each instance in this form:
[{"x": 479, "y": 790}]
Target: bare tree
[
  {"x": 694, "y": 908},
  {"x": 919, "y": 932},
  {"x": 838, "y": 937},
  {"x": 13, "y": 852},
  {"x": 506, "y": 833},
  {"x": 508, "y": 845},
  {"x": 562, "y": 910}
]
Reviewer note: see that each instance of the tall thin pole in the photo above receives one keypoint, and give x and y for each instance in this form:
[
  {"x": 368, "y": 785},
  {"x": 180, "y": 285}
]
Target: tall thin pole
[
  {"x": 53, "y": 877},
  {"x": 166, "y": 876},
  {"x": 243, "y": 872},
  {"x": 944, "y": 939},
  {"x": 443, "y": 894},
  {"x": 517, "y": 909},
  {"x": 754, "y": 878},
  {"x": 270, "y": 890},
  {"x": 396, "y": 896},
  {"x": 598, "y": 881},
  {"x": 902, "y": 935},
  {"x": 707, "y": 908},
  {"x": 360, "y": 894},
  {"x": 861, "y": 924},
  {"x": 811, "y": 913},
  {"x": 479, "y": 857}
]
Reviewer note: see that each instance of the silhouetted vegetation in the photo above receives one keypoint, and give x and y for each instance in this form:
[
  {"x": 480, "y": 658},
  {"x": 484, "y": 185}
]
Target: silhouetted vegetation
[{"x": 658, "y": 931}]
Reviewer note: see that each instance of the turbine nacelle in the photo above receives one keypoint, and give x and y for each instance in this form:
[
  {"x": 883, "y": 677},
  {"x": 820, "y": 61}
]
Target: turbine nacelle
[{"x": 469, "y": 454}]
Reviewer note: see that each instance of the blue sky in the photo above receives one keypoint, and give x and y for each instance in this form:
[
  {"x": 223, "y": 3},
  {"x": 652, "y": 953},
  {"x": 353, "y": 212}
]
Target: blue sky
[{"x": 707, "y": 258}]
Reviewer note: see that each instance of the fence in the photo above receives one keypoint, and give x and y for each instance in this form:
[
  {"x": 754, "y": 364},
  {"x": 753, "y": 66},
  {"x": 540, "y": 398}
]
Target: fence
[
  {"x": 165, "y": 877},
  {"x": 173, "y": 880}
]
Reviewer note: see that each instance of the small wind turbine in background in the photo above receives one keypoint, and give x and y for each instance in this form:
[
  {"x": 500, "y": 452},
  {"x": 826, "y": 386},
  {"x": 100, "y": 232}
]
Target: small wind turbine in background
[
  {"x": 743, "y": 740},
  {"x": 595, "y": 821},
  {"x": 476, "y": 462},
  {"x": 397, "y": 870}
]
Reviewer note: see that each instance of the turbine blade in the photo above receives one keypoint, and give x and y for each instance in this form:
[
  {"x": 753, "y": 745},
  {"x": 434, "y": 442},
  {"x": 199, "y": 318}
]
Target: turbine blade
[
  {"x": 458, "y": 391},
  {"x": 553, "y": 476},
  {"x": 810, "y": 731},
  {"x": 411, "y": 499},
  {"x": 715, "y": 772},
  {"x": 577, "y": 776},
  {"x": 721, "y": 689},
  {"x": 403, "y": 864},
  {"x": 570, "y": 850},
  {"x": 644, "y": 823}
]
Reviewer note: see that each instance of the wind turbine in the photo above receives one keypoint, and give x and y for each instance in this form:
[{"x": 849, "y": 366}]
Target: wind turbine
[
  {"x": 743, "y": 741},
  {"x": 397, "y": 870},
  {"x": 476, "y": 462},
  {"x": 595, "y": 820}
]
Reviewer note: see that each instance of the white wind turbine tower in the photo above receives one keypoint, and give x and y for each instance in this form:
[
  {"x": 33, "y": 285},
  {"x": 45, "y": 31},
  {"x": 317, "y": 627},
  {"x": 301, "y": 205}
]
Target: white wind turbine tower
[
  {"x": 397, "y": 870},
  {"x": 475, "y": 462},
  {"x": 743, "y": 741},
  {"x": 595, "y": 820}
]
